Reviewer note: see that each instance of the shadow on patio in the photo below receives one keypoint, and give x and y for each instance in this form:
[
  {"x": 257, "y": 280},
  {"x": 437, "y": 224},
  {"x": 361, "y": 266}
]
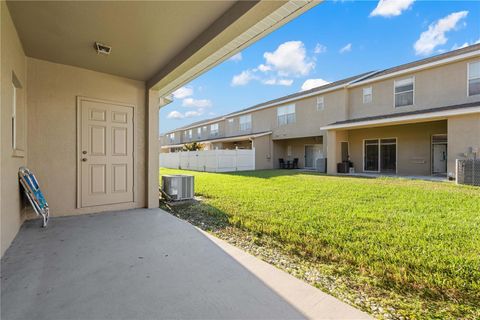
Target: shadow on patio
[{"x": 145, "y": 264}]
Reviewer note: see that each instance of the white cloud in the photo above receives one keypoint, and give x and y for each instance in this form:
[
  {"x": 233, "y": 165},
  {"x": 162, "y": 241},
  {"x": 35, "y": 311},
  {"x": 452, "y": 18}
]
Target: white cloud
[
  {"x": 236, "y": 57},
  {"x": 182, "y": 92},
  {"x": 175, "y": 115},
  {"x": 435, "y": 35},
  {"x": 391, "y": 8},
  {"x": 243, "y": 78},
  {"x": 346, "y": 48},
  {"x": 264, "y": 68},
  {"x": 191, "y": 114},
  {"x": 320, "y": 48},
  {"x": 313, "y": 83},
  {"x": 456, "y": 46},
  {"x": 289, "y": 59},
  {"x": 465, "y": 44},
  {"x": 196, "y": 103},
  {"x": 280, "y": 82}
]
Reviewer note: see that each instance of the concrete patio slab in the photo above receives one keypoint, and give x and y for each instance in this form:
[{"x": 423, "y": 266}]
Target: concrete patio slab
[{"x": 147, "y": 264}]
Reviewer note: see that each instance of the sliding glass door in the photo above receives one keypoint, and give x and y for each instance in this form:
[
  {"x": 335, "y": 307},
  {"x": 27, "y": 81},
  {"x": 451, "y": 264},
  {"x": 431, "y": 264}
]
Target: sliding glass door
[
  {"x": 371, "y": 155},
  {"x": 380, "y": 155}
]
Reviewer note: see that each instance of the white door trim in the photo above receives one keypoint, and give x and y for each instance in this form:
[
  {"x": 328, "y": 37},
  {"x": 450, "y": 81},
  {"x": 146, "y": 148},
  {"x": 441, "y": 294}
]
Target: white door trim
[
  {"x": 78, "y": 144},
  {"x": 432, "y": 159}
]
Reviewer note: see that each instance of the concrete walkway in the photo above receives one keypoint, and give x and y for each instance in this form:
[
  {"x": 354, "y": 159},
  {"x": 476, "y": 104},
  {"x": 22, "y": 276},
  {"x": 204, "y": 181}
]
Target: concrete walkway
[{"x": 147, "y": 264}]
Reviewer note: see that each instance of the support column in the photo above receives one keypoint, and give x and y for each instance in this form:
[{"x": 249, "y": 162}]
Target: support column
[
  {"x": 333, "y": 149},
  {"x": 331, "y": 152},
  {"x": 152, "y": 149}
]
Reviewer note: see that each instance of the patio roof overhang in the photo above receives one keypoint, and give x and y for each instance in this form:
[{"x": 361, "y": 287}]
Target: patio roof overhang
[
  {"x": 226, "y": 139},
  {"x": 425, "y": 115},
  {"x": 164, "y": 43}
]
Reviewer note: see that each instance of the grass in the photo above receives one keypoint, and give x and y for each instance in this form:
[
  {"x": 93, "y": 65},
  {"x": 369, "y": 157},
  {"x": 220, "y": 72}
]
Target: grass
[{"x": 411, "y": 245}]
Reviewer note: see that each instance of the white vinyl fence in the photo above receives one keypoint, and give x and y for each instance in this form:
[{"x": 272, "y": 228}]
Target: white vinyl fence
[{"x": 210, "y": 160}]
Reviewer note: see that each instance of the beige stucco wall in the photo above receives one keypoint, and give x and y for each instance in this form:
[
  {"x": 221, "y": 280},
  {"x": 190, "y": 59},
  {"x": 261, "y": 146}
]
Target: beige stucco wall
[
  {"x": 52, "y": 116},
  {"x": 413, "y": 145},
  {"x": 463, "y": 135},
  {"x": 263, "y": 152},
  {"x": 436, "y": 87},
  {"x": 12, "y": 60}
]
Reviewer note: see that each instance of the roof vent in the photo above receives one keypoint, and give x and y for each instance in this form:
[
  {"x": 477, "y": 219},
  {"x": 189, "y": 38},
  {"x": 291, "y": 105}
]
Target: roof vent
[{"x": 102, "y": 48}]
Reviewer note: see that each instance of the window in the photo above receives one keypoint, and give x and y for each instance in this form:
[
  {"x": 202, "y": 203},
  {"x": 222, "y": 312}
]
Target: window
[
  {"x": 199, "y": 133},
  {"x": 246, "y": 122},
  {"x": 14, "y": 117},
  {"x": 214, "y": 129},
  {"x": 474, "y": 78},
  {"x": 230, "y": 121},
  {"x": 188, "y": 134},
  {"x": 171, "y": 137},
  {"x": 367, "y": 95},
  {"x": 17, "y": 118},
  {"x": 404, "y": 92},
  {"x": 286, "y": 114},
  {"x": 320, "y": 104},
  {"x": 204, "y": 128}
]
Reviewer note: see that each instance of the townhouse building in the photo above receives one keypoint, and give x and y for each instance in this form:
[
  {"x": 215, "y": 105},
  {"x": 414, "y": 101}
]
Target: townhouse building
[{"x": 412, "y": 119}]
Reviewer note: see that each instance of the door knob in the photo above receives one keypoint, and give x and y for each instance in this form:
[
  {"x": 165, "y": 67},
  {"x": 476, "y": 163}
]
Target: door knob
[
  {"x": 84, "y": 159},
  {"x": 84, "y": 152}
]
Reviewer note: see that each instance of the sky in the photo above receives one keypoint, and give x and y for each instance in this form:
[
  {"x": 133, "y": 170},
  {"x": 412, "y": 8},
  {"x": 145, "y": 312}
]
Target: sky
[{"x": 332, "y": 41}]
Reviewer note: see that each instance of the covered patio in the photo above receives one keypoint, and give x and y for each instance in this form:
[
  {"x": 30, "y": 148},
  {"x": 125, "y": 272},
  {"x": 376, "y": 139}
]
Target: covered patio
[{"x": 147, "y": 264}]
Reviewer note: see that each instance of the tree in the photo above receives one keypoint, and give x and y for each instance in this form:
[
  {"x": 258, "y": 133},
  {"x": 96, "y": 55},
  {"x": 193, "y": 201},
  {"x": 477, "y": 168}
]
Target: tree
[{"x": 194, "y": 146}]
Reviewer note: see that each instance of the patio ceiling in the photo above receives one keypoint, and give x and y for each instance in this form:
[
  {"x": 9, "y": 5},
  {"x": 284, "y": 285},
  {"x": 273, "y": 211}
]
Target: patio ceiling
[{"x": 157, "y": 42}]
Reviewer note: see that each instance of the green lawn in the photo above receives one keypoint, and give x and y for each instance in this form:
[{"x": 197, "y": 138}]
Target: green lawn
[{"x": 419, "y": 240}]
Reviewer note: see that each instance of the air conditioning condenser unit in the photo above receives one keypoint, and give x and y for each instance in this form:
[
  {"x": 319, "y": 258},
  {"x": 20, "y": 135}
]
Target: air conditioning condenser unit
[{"x": 178, "y": 187}]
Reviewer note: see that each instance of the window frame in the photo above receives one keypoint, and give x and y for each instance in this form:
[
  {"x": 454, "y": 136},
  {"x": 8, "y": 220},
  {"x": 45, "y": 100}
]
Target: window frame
[
  {"x": 249, "y": 122},
  {"x": 395, "y": 93},
  {"x": 468, "y": 78},
  {"x": 214, "y": 133},
  {"x": 287, "y": 122},
  {"x": 370, "y": 94},
  {"x": 14, "y": 117},
  {"x": 321, "y": 98},
  {"x": 379, "y": 146},
  {"x": 17, "y": 89},
  {"x": 199, "y": 132}
]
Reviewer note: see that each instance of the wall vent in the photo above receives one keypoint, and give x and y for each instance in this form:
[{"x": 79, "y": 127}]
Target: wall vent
[{"x": 102, "y": 48}]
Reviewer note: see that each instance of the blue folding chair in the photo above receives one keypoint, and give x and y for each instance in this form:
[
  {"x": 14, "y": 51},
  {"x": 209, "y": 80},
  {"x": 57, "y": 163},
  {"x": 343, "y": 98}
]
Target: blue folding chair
[{"x": 34, "y": 194}]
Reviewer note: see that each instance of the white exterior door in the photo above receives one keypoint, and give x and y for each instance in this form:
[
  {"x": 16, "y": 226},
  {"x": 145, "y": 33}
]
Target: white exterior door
[
  {"x": 439, "y": 158},
  {"x": 106, "y": 153}
]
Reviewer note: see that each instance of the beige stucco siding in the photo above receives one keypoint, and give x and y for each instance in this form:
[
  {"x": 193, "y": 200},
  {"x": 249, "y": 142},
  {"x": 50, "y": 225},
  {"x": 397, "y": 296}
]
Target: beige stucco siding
[
  {"x": 52, "y": 135},
  {"x": 463, "y": 136},
  {"x": 413, "y": 145},
  {"x": 12, "y": 60},
  {"x": 263, "y": 152},
  {"x": 435, "y": 87},
  {"x": 309, "y": 119}
]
